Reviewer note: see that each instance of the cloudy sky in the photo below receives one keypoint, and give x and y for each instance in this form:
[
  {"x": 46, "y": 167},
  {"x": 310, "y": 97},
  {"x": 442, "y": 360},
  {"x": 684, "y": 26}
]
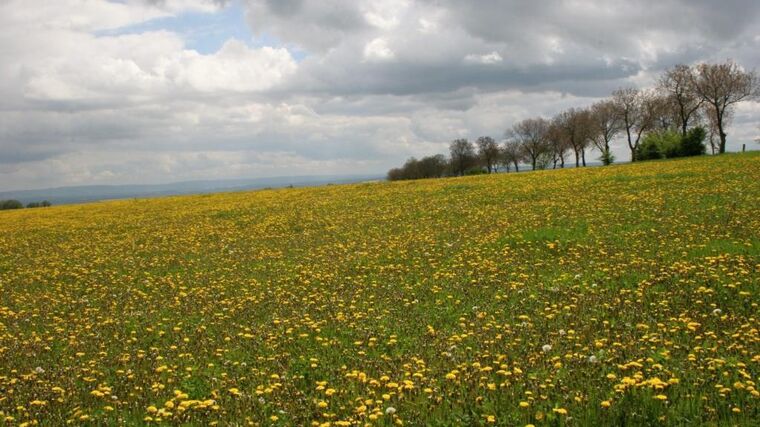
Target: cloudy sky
[{"x": 150, "y": 91}]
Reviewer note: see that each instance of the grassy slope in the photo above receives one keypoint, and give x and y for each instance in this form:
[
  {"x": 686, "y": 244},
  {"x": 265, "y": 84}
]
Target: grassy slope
[{"x": 262, "y": 302}]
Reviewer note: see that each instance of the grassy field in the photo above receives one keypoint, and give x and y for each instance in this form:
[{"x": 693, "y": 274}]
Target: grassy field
[{"x": 601, "y": 296}]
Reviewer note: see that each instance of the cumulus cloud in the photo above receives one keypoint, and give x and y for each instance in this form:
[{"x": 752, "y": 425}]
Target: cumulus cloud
[{"x": 109, "y": 92}]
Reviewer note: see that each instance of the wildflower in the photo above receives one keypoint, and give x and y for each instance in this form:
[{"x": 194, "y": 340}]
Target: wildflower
[
  {"x": 390, "y": 410},
  {"x": 546, "y": 348}
]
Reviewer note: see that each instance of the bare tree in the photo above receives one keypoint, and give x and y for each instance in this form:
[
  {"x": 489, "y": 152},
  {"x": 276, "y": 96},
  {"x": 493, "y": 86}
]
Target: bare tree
[
  {"x": 713, "y": 134},
  {"x": 605, "y": 125},
  {"x": 678, "y": 84},
  {"x": 721, "y": 86},
  {"x": 512, "y": 154},
  {"x": 462, "y": 155},
  {"x": 637, "y": 111},
  {"x": 488, "y": 152},
  {"x": 574, "y": 123},
  {"x": 557, "y": 143},
  {"x": 532, "y": 135},
  {"x": 664, "y": 112}
]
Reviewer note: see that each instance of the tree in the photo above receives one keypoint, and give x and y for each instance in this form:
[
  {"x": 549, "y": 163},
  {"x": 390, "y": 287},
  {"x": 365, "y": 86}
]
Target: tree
[
  {"x": 605, "y": 124},
  {"x": 395, "y": 174},
  {"x": 721, "y": 86},
  {"x": 637, "y": 111},
  {"x": 713, "y": 137},
  {"x": 512, "y": 154},
  {"x": 488, "y": 152},
  {"x": 557, "y": 143},
  {"x": 427, "y": 167},
  {"x": 532, "y": 136},
  {"x": 664, "y": 113},
  {"x": 678, "y": 84},
  {"x": 432, "y": 166},
  {"x": 574, "y": 124},
  {"x": 10, "y": 204},
  {"x": 462, "y": 156}
]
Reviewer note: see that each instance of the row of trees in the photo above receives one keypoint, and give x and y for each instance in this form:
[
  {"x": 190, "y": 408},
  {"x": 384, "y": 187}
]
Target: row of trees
[
  {"x": 701, "y": 96},
  {"x": 15, "y": 204}
]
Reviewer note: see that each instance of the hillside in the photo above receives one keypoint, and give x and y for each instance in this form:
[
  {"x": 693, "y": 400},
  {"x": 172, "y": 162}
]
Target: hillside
[{"x": 600, "y": 296}]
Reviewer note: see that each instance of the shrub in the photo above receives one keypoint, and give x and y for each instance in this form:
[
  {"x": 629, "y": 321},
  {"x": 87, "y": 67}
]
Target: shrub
[
  {"x": 693, "y": 144},
  {"x": 10, "y": 204},
  {"x": 426, "y": 167},
  {"x": 607, "y": 158},
  {"x": 649, "y": 149},
  {"x": 670, "y": 144}
]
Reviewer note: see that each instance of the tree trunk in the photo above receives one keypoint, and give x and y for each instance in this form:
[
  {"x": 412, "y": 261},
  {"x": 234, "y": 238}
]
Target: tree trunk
[
  {"x": 630, "y": 142},
  {"x": 722, "y": 141},
  {"x": 583, "y": 156},
  {"x": 577, "y": 159}
]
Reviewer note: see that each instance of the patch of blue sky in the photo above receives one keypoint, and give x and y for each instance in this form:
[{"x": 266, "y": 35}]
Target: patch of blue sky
[{"x": 207, "y": 32}]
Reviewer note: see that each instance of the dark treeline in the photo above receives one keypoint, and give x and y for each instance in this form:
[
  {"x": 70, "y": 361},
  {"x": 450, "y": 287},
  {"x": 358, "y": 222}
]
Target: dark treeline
[
  {"x": 689, "y": 107},
  {"x": 15, "y": 204}
]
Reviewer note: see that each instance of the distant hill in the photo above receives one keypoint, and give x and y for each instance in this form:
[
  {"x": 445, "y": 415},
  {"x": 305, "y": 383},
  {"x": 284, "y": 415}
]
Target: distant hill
[{"x": 89, "y": 193}]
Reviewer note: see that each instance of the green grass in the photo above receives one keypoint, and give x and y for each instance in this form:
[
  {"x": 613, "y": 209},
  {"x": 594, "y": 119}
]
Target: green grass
[{"x": 434, "y": 298}]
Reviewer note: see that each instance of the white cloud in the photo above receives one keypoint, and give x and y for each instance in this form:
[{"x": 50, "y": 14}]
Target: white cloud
[
  {"x": 378, "y": 50},
  {"x": 235, "y": 67},
  {"x": 488, "y": 58},
  {"x": 385, "y": 14}
]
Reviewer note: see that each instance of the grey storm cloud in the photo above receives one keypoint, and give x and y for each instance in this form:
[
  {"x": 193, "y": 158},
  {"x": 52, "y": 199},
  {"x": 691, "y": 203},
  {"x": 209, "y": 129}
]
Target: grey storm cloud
[{"x": 331, "y": 86}]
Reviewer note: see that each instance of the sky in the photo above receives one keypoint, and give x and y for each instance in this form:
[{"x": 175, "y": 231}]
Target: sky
[{"x": 155, "y": 91}]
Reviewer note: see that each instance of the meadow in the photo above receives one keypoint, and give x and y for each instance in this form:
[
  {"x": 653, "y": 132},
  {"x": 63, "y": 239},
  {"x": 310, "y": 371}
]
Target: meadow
[{"x": 601, "y": 296}]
